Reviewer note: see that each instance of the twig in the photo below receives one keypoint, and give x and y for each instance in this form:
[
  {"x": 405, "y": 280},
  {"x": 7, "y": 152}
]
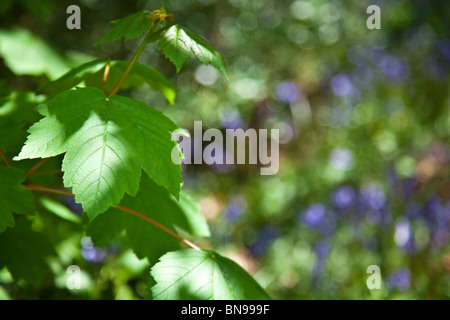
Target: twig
[
  {"x": 157, "y": 224},
  {"x": 36, "y": 166},
  {"x": 131, "y": 64},
  {"x": 45, "y": 172},
  {"x": 2, "y": 155},
  {"x": 105, "y": 76},
  {"x": 45, "y": 189},
  {"x": 121, "y": 208}
]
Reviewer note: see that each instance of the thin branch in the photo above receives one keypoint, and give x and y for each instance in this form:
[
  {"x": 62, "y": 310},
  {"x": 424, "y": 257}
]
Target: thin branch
[
  {"x": 45, "y": 189},
  {"x": 121, "y": 208},
  {"x": 47, "y": 172},
  {"x": 105, "y": 76},
  {"x": 131, "y": 64},
  {"x": 37, "y": 166},
  {"x": 157, "y": 224},
  {"x": 2, "y": 155}
]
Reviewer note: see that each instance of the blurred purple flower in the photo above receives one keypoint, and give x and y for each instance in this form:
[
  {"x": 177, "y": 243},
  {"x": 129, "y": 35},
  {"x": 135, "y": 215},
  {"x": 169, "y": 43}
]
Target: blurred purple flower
[
  {"x": 287, "y": 91},
  {"x": 343, "y": 197},
  {"x": 322, "y": 248},
  {"x": 90, "y": 253},
  {"x": 264, "y": 239},
  {"x": 431, "y": 208},
  {"x": 393, "y": 67},
  {"x": 341, "y": 85},
  {"x": 94, "y": 255},
  {"x": 373, "y": 197},
  {"x": 231, "y": 119},
  {"x": 317, "y": 217},
  {"x": 437, "y": 217},
  {"x": 73, "y": 206},
  {"x": 235, "y": 208},
  {"x": 314, "y": 215},
  {"x": 400, "y": 280}
]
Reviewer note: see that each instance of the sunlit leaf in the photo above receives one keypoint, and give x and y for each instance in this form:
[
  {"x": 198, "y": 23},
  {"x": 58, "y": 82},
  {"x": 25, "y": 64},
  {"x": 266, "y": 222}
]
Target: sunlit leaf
[
  {"x": 179, "y": 43},
  {"x": 25, "y": 54},
  {"x": 202, "y": 275},
  {"x": 106, "y": 142}
]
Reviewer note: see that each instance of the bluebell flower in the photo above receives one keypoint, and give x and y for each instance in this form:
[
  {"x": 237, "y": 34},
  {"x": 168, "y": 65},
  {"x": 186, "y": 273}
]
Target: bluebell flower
[
  {"x": 343, "y": 197},
  {"x": 235, "y": 207},
  {"x": 341, "y": 85},
  {"x": 287, "y": 91},
  {"x": 373, "y": 197},
  {"x": 314, "y": 215},
  {"x": 264, "y": 239},
  {"x": 400, "y": 280},
  {"x": 90, "y": 253}
]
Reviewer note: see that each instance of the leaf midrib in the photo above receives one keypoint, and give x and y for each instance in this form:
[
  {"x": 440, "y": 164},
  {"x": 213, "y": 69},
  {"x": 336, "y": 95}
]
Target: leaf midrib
[{"x": 105, "y": 133}]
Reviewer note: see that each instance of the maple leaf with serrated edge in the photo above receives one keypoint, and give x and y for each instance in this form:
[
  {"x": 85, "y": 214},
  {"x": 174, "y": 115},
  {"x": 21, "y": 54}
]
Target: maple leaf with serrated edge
[
  {"x": 106, "y": 142},
  {"x": 145, "y": 239},
  {"x": 13, "y": 196},
  {"x": 201, "y": 275},
  {"x": 179, "y": 43},
  {"x": 129, "y": 27}
]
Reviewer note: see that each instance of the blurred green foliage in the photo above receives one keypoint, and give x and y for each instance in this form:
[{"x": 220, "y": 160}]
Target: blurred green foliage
[{"x": 364, "y": 117}]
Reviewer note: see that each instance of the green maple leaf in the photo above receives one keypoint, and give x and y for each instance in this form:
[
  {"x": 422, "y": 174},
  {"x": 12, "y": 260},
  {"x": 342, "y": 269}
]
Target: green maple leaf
[
  {"x": 129, "y": 27},
  {"x": 146, "y": 239},
  {"x": 13, "y": 196},
  {"x": 201, "y": 275},
  {"x": 106, "y": 142},
  {"x": 26, "y": 54},
  {"x": 92, "y": 74},
  {"x": 179, "y": 43},
  {"x": 23, "y": 252}
]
